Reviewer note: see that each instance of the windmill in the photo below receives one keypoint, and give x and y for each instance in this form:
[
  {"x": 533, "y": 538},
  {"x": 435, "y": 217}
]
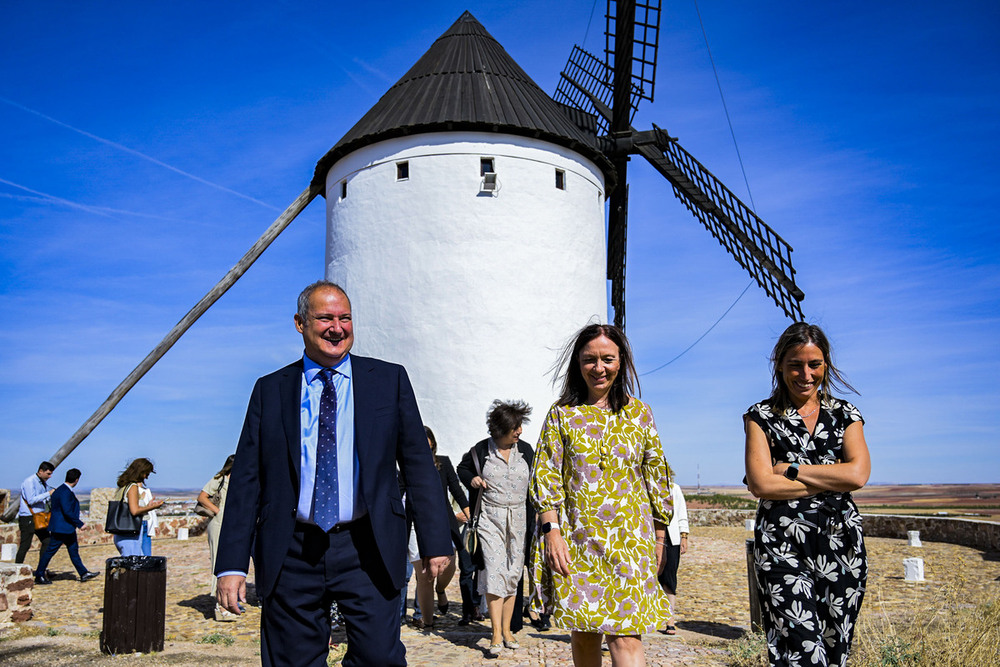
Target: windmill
[
  {"x": 606, "y": 94},
  {"x": 466, "y": 218}
]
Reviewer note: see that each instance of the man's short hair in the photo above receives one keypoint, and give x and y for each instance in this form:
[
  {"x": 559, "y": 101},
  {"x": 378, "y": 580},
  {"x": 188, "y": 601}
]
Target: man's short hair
[
  {"x": 303, "y": 301},
  {"x": 73, "y": 475},
  {"x": 45, "y": 466}
]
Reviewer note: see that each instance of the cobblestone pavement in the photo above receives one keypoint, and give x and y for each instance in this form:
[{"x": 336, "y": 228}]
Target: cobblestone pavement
[{"x": 713, "y": 609}]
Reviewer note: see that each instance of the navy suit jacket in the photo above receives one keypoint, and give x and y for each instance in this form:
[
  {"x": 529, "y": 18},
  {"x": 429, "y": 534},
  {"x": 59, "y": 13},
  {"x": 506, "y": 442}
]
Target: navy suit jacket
[
  {"x": 65, "y": 511},
  {"x": 264, "y": 486}
]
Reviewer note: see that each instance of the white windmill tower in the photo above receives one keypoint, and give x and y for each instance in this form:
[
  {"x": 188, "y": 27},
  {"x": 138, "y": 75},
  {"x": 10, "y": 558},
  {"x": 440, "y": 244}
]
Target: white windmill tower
[{"x": 465, "y": 218}]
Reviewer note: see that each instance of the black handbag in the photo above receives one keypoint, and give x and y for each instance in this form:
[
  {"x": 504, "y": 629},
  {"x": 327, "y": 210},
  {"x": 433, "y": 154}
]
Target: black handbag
[
  {"x": 470, "y": 532},
  {"x": 120, "y": 519}
]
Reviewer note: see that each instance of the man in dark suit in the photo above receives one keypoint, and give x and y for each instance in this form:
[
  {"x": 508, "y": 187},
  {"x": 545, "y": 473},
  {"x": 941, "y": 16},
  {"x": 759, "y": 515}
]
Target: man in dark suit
[
  {"x": 62, "y": 529},
  {"x": 314, "y": 496}
]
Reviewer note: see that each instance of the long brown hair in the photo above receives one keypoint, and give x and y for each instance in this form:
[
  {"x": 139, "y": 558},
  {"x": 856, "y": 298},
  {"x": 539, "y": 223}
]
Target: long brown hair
[
  {"x": 434, "y": 446},
  {"x": 227, "y": 468},
  {"x": 575, "y": 391},
  {"x": 136, "y": 471},
  {"x": 794, "y": 336}
]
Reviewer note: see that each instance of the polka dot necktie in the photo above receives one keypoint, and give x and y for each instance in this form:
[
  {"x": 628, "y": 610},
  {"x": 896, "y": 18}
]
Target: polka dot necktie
[{"x": 326, "y": 494}]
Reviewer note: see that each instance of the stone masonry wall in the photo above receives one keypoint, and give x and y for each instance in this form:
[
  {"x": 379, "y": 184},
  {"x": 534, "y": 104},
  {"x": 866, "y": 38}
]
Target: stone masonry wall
[
  {"x": 16, "y": 584},
  {"x": 983, "y": 535},
  {"x": 93, "y": 531}
]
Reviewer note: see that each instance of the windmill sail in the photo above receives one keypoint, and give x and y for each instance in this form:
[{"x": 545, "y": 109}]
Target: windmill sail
[
  {"x": 756, "y": 247},
  {"x": 645, "y": 20},
  {"x": 594, "y": 95}
]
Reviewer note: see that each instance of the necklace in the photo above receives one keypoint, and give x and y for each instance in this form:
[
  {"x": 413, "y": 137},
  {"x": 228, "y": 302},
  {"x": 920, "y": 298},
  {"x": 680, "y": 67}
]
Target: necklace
[{"x": 804, "y": 416}]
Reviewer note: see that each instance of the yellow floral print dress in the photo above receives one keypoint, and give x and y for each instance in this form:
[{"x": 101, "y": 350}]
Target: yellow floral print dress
[{"x": 606, "y": 475}]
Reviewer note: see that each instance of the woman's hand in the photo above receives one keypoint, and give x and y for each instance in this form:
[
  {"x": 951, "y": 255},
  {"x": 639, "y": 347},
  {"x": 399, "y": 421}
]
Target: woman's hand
[
  {"x": 462, "y": 518},
  {"x": 204, "y": 501},
  {"x": 684, "y": 544},
  {"x": 479, "y": 483},
  {"x": 557, "y": 553}
]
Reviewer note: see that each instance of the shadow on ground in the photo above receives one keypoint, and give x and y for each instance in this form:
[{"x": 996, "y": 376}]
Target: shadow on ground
[{"x": 720, "y": 630}]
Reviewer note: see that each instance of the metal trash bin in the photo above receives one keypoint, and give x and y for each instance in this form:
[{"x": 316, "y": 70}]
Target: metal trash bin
[{"x": 135, "y": 601}]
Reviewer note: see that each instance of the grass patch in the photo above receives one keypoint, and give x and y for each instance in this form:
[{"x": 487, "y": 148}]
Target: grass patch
[
  {"x": 724, "y": 501},
  {"x": 216, "y": 638},
  {"x": 955, "y": 633},
  {"x": 750, "y": 650},
  {"x": 53, "y": 632}
]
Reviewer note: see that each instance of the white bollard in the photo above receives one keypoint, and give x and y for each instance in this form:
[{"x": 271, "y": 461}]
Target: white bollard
[
  {"x": 913, "y": 569},
  {"x": 182, "y": 533},
  {"x": 8, "y": 551},
  {"x": 914, "y": 536},
  {"x": 749, "y": 524}
]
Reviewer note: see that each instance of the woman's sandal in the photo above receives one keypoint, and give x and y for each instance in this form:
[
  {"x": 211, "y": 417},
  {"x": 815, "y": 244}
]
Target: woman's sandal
[
  {"x": 671, "y": 630},
  {"x": 495, "y": 650},
  {"x": 512, "y": 644}
]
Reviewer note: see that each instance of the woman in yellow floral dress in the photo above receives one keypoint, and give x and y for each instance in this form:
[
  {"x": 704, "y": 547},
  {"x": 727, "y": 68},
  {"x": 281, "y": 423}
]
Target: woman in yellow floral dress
[{"x": 602, "y": 490}]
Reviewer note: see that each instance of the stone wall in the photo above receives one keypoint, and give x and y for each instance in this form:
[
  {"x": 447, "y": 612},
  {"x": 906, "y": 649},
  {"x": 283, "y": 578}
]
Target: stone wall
[
  {"x": 93, "y": 531},
  {"x": 16, "y": 584},
  {"x": 983, "y": 535},
  {"x": 99, "y": 499}
]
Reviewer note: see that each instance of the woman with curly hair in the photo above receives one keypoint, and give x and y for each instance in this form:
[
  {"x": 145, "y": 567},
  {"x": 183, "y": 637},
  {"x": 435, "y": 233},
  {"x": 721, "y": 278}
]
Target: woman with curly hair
[{"x": 496, "y": 471}]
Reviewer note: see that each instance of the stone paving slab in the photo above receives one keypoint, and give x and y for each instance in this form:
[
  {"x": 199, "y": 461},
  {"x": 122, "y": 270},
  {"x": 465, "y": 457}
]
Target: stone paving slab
[{"x": 713, "y": 609}]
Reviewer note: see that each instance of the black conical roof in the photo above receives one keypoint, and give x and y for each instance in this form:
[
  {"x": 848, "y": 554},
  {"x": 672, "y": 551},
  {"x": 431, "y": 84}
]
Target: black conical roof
[{"x": 465, "y": 81}]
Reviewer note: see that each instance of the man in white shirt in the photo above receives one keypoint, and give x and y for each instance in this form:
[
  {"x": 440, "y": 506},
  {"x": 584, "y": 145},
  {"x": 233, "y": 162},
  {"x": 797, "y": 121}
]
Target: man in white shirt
[{"x": 35, "y": 494}]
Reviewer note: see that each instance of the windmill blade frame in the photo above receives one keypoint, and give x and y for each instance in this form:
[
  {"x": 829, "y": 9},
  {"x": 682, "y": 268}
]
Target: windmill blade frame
[
  {"x": 645, "y": 19},
  {"x": 756, "y": 247}
]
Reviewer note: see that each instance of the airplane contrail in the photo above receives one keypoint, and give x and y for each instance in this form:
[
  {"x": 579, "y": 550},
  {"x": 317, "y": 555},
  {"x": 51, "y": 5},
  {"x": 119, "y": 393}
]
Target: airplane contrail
[{"x": 132, "y": 151}]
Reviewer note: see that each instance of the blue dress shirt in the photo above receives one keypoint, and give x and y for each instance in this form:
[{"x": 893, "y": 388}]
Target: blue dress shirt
[{"x": 351, "y": 507}]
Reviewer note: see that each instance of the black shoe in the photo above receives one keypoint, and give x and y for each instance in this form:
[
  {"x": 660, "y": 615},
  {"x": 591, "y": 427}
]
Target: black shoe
[
  {"x": 87, "y": 576},
  {"x": 541, "y": 623},
  {"x": 465, "y": 620},
  {"x": 42, "y": 580}
]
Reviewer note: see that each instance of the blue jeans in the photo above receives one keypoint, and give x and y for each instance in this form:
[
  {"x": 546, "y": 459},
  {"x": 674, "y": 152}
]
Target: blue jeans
[{"x": 139, "y": 545}]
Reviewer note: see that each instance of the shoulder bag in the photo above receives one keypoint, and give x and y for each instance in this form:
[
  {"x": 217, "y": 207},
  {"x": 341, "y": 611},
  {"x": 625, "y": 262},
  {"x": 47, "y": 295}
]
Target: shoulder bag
[
  {"x": 120, "y": 519},
  {"x": 470, "y": 532},
  {"x": 216, "y": 497},
  {"x": 40, "y": 519}
]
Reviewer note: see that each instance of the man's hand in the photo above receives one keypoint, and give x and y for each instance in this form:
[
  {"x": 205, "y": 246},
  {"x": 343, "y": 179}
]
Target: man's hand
[
  {"x": 231, "y": 590},
  {"x": 432, "y": 567}
]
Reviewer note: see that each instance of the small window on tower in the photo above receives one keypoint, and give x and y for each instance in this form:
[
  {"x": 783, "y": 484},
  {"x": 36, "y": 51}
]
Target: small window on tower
[
  {"x": 560, "y": 179},
  {"x": 486, "y": 166},
  {"x": 343, "y": 189},
  {"x": 402, "y": 171}
]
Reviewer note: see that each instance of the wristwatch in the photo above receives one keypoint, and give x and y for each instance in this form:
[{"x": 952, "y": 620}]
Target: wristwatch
[
  {"x": 792, "y": 471},
  {"x": 549, "y": 526}
]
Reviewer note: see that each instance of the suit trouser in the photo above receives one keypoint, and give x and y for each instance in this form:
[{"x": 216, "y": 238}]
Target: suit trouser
[
  {"x": 27, "y": 527},
  {"x": 56, "y": 541},
  {"x": 320, "y": 568}
]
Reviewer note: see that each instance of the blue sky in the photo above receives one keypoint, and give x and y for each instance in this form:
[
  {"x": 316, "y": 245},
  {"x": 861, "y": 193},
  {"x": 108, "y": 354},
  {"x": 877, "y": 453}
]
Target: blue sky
[{"x": 144, "y": 147}]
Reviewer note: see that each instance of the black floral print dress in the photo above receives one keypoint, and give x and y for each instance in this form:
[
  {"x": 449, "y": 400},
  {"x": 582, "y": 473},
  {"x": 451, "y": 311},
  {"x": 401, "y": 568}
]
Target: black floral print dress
[{"x": 809, "y": 553}]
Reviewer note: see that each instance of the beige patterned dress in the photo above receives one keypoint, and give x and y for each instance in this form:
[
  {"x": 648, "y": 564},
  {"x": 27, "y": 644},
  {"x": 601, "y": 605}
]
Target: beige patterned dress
[{"x": 607, "y": 476}]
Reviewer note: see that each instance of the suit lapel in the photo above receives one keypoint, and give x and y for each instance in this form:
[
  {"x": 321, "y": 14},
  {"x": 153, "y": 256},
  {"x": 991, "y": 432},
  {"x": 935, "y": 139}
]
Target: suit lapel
[
  {"x": 290, "y": 395},
  {"x": 364, "y": 400}
]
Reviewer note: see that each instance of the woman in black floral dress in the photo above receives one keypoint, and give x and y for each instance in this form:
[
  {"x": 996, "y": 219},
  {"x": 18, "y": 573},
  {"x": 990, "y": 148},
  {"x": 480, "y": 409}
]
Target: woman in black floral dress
[{"x": 805, "y": 453}]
